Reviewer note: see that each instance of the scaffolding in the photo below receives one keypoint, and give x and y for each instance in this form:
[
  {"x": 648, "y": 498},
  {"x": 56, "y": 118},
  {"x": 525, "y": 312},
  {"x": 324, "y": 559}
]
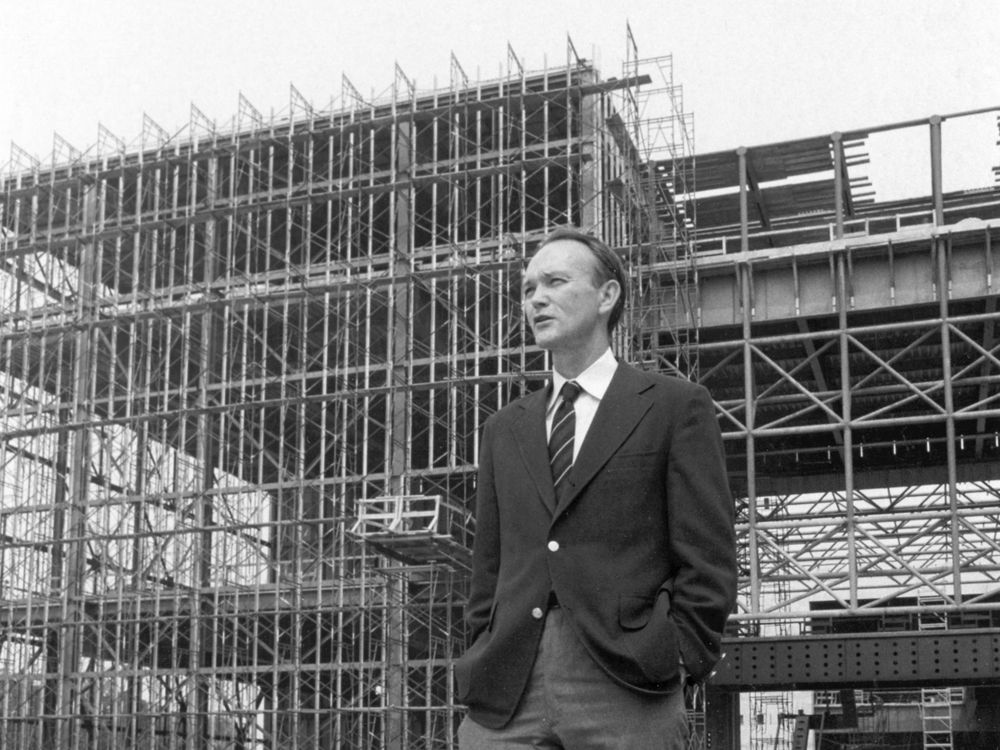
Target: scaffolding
[
  {"x": 244, "y": 370},
  {"x": 770, "y": 712},
  {"x": 663, "y": 255},
  {"x": 850, "y": 344}
]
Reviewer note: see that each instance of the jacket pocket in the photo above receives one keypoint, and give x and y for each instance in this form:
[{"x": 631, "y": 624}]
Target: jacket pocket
[
  {"x": 634, "y": 611},
  {"x": 649, "y": 638}
]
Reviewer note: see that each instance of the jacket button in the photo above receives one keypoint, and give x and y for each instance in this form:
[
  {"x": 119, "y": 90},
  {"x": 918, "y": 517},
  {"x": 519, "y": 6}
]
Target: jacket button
[
  {"x": 537, "y": 613},
  {"x": 553, "y": 546}
]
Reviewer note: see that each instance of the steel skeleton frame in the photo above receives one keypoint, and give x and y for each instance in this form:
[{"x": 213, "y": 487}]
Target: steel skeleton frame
[
  {"x": 868, "y": 365},
  {"x": 217, "y": 346},
  {"x": 663, "y": 144},
  {"x": 851, "y": 348}
]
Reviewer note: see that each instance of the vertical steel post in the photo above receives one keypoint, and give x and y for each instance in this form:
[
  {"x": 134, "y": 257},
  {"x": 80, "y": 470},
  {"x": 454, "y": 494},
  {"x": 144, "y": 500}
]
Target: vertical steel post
[
  {"x": 842, "y": 300},
  {"x": 69, "y": 718},
  {"x": 722, "y": 719},
  {"x": 846, "y": 416},
  {"x": 949, "y": 407},
  {"x": 942, "y": 247},
  {"x": 199, "y": 735},
  {"x": 398, "y": 457},
  {"x": 54, "y": 636},
  {"x": 937, "y": 183},
  {"x": 591, "y": 219},
  {"x": 741, "y": 152},
  {"x": 746, "y": 279},
  {"x": 837, "y": 142}
]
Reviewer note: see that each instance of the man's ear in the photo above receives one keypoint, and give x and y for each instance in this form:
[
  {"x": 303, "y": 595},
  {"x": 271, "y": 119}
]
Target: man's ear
[{"x": 610, "y": 291}]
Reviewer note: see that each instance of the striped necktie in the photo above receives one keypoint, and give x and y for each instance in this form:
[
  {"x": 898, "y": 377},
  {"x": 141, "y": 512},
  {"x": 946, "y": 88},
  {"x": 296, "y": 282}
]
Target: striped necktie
[{"x": 561, "y": 439}]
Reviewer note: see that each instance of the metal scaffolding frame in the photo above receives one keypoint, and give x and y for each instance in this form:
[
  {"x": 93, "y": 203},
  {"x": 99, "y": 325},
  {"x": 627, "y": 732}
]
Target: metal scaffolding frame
[
  {"x": 663, "y": 145},
  {"x": 851, "y": 347},
  {"x": 244, "y": 370},
  {"x": 225, "y": 354},
  {"x": 859, "y": 393}
]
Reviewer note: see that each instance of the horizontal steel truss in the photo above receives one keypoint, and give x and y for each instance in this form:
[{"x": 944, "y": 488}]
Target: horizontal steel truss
[{"x": 864, "y": 445}]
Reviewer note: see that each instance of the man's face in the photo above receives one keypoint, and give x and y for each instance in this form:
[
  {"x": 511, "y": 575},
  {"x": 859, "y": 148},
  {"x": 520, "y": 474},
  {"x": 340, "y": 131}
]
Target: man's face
[{"x": 565, "y": 306}]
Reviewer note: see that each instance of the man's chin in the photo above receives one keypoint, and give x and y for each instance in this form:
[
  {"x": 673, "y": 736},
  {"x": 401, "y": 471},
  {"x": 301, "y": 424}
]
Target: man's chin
[{"x": 543, "y": 342}]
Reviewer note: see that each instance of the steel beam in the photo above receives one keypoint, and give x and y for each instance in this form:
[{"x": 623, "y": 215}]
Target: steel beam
[{"x": 882, "y": 660}]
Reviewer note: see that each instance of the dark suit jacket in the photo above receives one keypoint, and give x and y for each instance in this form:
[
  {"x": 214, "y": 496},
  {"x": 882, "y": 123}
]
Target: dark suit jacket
[{"x": 646, "y": 559}]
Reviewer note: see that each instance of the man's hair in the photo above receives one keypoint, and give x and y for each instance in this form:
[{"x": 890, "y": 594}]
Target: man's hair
[{"x": 609, "y": 266}]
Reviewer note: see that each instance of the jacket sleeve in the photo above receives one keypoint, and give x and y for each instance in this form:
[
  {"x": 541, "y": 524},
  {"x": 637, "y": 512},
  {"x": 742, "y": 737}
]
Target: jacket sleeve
[
  {"x": 486, "y": 544},
  {"x": 702, "y": 534}
]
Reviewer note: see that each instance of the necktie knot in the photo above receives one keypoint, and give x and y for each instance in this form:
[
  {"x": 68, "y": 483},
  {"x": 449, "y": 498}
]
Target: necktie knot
[{"x": 570, "y": 390}]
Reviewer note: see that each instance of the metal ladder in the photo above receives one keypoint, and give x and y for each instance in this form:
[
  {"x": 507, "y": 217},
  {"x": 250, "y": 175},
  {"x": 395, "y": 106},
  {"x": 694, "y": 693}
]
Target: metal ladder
[{"x": 936, "y": 714}]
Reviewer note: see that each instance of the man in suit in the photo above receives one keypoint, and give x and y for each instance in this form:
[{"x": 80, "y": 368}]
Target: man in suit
[{"x": 604, "y": 563}]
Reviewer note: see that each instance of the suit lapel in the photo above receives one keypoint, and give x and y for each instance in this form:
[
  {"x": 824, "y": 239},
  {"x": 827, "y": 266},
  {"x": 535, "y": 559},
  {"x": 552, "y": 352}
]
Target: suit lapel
[
  {"x": 619, "y": 412},
  {"x": 529, "y": 430}
]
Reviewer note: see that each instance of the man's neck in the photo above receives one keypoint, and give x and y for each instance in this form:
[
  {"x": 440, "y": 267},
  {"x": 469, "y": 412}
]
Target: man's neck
[{"x": 570, "y": 364}]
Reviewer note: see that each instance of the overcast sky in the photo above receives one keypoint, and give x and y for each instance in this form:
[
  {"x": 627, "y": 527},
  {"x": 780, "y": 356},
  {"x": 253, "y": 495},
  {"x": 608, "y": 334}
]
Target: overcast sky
[{"x": 753, "y": 71}]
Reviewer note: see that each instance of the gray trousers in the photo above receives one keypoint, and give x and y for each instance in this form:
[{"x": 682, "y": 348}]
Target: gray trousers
[{"x": 570, "y": 703}]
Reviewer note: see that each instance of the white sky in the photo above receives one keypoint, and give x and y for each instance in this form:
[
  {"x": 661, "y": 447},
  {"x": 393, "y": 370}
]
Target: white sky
[{"x": 753, "y": 71}]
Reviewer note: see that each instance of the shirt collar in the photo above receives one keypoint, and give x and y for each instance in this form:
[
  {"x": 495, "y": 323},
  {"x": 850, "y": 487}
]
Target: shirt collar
[{"x": 594, "y": 380}]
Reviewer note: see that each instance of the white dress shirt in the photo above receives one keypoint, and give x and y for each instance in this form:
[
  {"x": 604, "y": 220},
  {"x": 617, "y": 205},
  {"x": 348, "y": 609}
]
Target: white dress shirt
[{"x": 594, "y": 382}]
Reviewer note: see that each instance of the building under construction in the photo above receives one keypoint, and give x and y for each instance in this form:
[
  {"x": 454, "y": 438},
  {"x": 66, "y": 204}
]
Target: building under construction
[{"x": 244, "y": 371}]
